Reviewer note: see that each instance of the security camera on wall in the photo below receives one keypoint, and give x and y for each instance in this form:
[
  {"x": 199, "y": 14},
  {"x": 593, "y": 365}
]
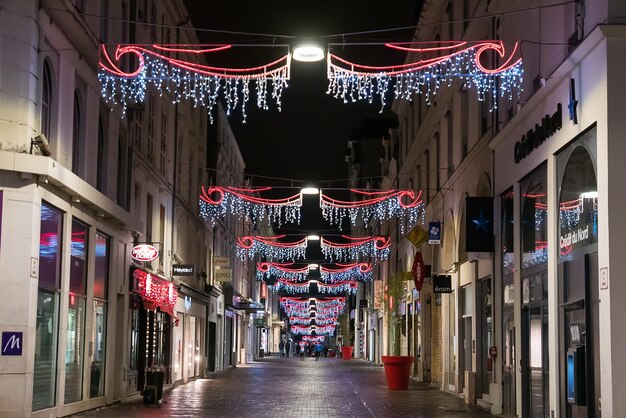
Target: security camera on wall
[
  {"x": 177, "y": 258},
  {"x": 41, "y": 142}
]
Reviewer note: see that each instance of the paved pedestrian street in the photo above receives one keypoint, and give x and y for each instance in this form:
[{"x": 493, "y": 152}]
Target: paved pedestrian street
[{"x": 278, "y": 387}]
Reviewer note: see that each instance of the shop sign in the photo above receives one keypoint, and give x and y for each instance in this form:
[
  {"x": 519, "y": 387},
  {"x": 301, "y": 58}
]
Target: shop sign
[
  {"x": 418, "y": 271},
  {"x": 220, "y": 262},
  {"x": 187, "y": 303},
  {"x": 538, "y": 135},
  {"x": 12, "y": 343},
  {"x": 442, "y": 284},
  {"x": 434, "y": 232},
  {"x": 577, "y": 238},
  {"x": 223, "y": 275},
  {"x": 183, "y": 270},
  {"x": 144, "y": 252}
]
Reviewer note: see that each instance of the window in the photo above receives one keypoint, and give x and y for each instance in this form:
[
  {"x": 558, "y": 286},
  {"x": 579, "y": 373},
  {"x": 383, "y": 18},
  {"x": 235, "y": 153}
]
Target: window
[
  {"x": 464, "y": 123},
  {"x": 137, "y": 200},
  {"x": 101, "y": 161},
  {"x": 161, "y": 231},
  {"x": 75, "y": 344},
  {"x": 163, "y": 159},
  {"x": 150, "y": 152},
  {"x": 46, "y": 100},
  {"x": 437, "y": 146},
  {"x": 76, "y": 134},
  {"x": 46, "y": 328},
  {"x": 122, "y": 169},
  {"x": 149, "y": 204},
  {"x": 104, "y": 21},
  {"x": 427, "y": 184},
  {"x": 98, "y": 337},
  {"x": 449, "y": 127}
]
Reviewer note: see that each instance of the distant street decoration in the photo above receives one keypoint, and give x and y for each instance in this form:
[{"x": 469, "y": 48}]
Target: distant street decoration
[
  {"x": 181, "y": 72},
  {"x": 309, "y": 330},
  {"x": 269, "y": 247},
  {"x": 429, "y": 66},
  {"x": 244, "y": 204},
  {"x": 341, "y": 272},
  {"x": 374, "y": 206},
  {"x": 375, "y": 248},
  {"x": 289, "y": 287},
  {"x": 340, "y": 287},
  {"x": 285, "y": 270}
]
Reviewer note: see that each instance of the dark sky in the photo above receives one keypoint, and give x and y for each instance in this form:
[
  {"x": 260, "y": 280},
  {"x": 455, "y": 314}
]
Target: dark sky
[{"x": 307, "y": 140}]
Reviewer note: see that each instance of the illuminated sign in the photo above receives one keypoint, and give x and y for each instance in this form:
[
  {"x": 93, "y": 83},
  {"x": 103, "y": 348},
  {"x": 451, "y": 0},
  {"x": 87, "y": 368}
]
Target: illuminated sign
[
  {"x": 155, "y": 292},
  {"x": 187, "y": 303},
  {"x": 183, "y": 270},
  {"x": 144, "y": 252}
]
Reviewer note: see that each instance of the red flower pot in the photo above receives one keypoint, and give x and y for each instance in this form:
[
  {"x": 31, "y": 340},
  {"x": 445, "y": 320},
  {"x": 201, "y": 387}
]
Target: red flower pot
[
  {"x": 346, "y": 352},
  {"x": 398, "y": 371}
]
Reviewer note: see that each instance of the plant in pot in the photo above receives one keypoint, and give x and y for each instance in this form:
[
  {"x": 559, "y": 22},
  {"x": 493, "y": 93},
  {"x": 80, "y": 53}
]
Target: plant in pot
[
  {"x": 397, "y": 367},
  {"x": 344, "y": 326}
]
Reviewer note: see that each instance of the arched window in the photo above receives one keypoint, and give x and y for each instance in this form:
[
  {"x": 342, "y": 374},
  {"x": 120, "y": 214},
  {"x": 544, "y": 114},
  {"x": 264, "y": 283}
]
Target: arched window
[
  {"x": 102, "y": 157},
  {"x": 46, "y": 100},
  {"x": 427, "y": 183},
  {"x": 437, "y": 154},
  {"x": 76, "y": 134}
]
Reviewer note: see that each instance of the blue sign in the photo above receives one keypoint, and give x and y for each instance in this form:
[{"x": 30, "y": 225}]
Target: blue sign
[
  {"x": 434, "y": 232},
  {"x": 12, "y": 343}
]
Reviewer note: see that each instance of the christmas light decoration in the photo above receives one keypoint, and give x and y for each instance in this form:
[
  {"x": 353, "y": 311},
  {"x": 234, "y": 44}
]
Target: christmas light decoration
[
  {"x": 175, "y": 70},
  {"x": 285, "y": 270},
  {"x": 376, "y": 248},
  {"x": 341, "y": 272},
  {"x": 155, "y": 291},
  {"x": 289, "y": 287},
  {"x": 269, "y": 247},
  {"x": 439, "y": 63},
  {"x": 309, "y": 330},
  {"x": 313, "y": 338},
  {"x": 244, "y": 205},
  {"x": 374, "y": 206},
  {"x": 340, "y": 287}
]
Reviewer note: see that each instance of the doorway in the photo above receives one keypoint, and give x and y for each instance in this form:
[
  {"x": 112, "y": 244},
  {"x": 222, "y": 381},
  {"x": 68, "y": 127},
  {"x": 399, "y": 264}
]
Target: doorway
[{"x": 508, "y": 366}]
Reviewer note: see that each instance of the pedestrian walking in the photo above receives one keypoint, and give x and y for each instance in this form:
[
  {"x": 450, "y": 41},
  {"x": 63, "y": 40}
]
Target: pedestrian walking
[
  {"x": 318, "y": 350},
  {"x": 302, "y": 346},
  {"x": 287, "y": 344},
  {"x": 281, "y": 348}
]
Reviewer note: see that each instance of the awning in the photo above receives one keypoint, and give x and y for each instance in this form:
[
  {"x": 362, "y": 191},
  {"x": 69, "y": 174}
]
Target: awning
[{"x": 155, "y": 292}]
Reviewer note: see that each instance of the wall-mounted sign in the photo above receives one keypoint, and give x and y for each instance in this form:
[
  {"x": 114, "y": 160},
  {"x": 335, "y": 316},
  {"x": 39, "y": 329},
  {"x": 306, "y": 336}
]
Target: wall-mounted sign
[
  {"x": 417, "y": 236},
  {"x": 183, "y": 270},
  {"x": 187, "y": 303},
  {"x": 220, "y": 262},
  {"x": 418, "y": 271},
  {"x": 12, "y": 343},
  {"x": 144, "y": 252},
  {"x": 479, "y": 224},
  {"x": 442, "y": 284},
  {"x": 223, "y": 275},
  {"x": 434, "y": 232},
  {"x": 538, "y": 135}
]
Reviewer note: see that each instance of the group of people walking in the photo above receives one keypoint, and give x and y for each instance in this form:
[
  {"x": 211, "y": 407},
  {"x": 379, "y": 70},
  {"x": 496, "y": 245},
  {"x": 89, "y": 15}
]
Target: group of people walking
[{"x": 302, "y": 349}]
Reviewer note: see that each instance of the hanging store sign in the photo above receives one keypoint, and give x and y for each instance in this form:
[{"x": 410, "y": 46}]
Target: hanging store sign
[
  {"x": 442, "y": 283},
  {"x": 434, "y": 232},
  {"x": 223, "y": 275},
  {"x": 144, "y": 252},
  {"x": 220, "y": 262},
  {"x": 418, "y": 271},
  {"x": 538, "y": 135},
  {"x": 183, "y": 270}
]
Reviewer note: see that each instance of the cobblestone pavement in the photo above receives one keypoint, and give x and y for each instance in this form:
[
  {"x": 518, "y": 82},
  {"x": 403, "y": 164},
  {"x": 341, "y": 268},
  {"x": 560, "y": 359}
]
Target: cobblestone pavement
[{"x": 278, "y": 387}]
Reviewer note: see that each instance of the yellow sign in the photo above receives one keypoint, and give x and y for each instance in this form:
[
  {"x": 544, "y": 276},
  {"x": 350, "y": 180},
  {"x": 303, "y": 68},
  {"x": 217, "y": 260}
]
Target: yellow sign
[
  {"x": 417, "y": 236},
  {"x": 223, "y": 275}
]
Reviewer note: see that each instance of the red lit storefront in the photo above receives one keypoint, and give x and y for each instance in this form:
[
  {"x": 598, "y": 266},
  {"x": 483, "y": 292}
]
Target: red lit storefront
[{"x": 151, "y": 319}]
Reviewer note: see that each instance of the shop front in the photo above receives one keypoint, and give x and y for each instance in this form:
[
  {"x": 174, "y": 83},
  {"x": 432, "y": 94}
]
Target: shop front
[
  {"x": 151, "y": 321},
  {"x": 189, "y": 345}
]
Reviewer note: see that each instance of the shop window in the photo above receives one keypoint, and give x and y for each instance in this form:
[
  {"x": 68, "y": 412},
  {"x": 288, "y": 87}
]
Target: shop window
[
  {"x": 534, "y": 224},
  {"x": 98, "y": 338},
  {"x": 46, "y": 100},
  {"x": 47, "y": 327}
]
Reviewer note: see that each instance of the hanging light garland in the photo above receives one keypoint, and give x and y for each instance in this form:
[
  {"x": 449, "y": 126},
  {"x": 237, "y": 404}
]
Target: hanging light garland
[
  {"x": 341, "y": 272},
  {"x": 290, "y": 287},
  {"x": 160, "y": 67},
  {"x": 243, "y": 204},
  {"x": 312, "y": 338},
  {"x": 268, "y": 247},
  {"x": 439, "y": 64},
  {"x": 340, "y": 287},
  {"x": 374, "y": 206},
  {"x": 309, "y": 330},
  {"x": 376, "y": 248},
  {"x": 285, "y": 270}
]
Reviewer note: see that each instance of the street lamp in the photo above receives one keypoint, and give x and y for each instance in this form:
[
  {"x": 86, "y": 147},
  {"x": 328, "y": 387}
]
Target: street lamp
[{"x": 308, "y": 53}]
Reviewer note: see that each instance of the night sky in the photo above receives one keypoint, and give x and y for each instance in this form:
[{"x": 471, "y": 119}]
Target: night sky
[{"x": 307, "y": 140}]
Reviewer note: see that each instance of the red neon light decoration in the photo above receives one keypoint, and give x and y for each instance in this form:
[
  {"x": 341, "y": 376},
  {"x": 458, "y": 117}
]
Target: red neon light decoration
[
  {"x": 242, "y": 203},
  {"x": 342, "y": 271},
  {"x": 377, "y": 205},
  {"x": 157, "y": 66},
  {"x": 432, "y": 64},
  {"x": 376, "y": 248},
  {"x": 269, "y": 247},
  {"x": 155, "y": 291},
  {"x": 267, "y": 269}
]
